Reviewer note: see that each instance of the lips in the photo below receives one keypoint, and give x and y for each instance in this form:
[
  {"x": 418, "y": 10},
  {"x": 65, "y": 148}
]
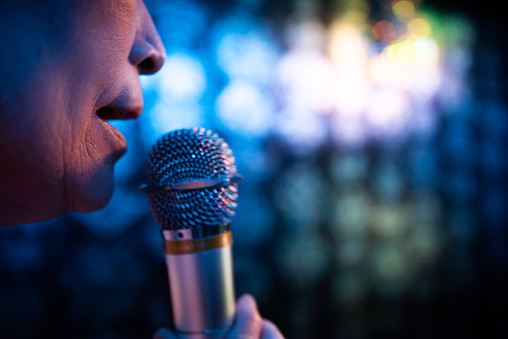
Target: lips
[
  {"x": 117, "y": 113},
  {"x": 121, "y": 100},
  {"x": 110, "y": 139},
  {"x": 124, "y": 106}
]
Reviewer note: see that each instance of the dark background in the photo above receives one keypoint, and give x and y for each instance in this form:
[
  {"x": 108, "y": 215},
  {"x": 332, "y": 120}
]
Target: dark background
[{"x": 401, "y": 235}]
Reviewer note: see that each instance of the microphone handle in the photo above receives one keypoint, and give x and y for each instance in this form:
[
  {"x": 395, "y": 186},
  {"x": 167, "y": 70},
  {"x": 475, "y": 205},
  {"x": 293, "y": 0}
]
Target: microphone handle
[{"x": 201, "y": 285}]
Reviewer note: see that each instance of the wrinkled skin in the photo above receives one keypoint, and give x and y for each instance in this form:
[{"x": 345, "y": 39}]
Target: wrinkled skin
[{"x": 67, "y": 66}]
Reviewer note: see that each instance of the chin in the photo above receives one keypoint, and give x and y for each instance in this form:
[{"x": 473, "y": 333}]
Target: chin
[
  {"x": 94, "y": 193},
  {"x": 94, "y": 202}
]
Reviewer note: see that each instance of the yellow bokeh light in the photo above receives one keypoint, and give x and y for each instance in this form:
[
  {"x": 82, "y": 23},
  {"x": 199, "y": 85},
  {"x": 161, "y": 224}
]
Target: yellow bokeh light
[
  {"x": 355, "y": 17},
  {"x": 419, "y": 27},
  {"x": 403, "y": 52},
  {"x": 348, "y": 47},
  {"x": 403, "y": 9}
]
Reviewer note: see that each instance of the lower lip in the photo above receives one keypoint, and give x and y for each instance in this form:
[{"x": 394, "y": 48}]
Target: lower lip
[{"x": 117, "y": 139}]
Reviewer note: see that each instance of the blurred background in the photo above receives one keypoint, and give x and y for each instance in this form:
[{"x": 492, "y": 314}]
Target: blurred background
[{"x": 373, "y": 138}]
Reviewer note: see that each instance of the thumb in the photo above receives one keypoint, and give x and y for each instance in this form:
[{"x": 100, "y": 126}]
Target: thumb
[{"x": 248, "y": 323}]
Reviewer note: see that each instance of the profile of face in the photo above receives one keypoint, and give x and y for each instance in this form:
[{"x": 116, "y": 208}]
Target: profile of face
[{"x": 67, "y": 67}]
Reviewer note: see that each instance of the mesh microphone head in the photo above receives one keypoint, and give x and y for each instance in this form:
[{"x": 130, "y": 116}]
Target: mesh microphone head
[{"x": 189, "y": 156}]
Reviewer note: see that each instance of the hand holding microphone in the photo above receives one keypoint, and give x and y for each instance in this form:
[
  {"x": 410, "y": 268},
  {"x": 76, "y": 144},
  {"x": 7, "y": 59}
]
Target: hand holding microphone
[
  {"x": 192, "y": 192},
  {"x": 248, "y": 324}
]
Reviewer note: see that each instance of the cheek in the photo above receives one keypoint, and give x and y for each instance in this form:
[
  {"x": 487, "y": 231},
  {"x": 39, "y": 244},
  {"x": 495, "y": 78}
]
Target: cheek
[
  {"x": 40, "y": 124},
  {"x": 91, "y": 146},
  {"x": 103, "y": 40},
  {"x": 90, "y": 169},
  {"x": 89, "y": 173},
  {"x": 88, "y": 191}
]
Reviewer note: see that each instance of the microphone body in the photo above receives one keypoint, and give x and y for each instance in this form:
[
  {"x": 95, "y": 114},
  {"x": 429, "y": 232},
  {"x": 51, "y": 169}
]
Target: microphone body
[
  {"x": 192, "y": 193},
  {"x": 201, "y": 285}
]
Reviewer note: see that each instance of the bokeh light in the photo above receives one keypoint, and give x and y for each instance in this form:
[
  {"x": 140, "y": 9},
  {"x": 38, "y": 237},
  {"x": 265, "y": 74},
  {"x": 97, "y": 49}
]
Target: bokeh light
[
  {"x": 373, "y": 138},
  {"x": 385, "y": 31},
  {"x": 403, "y": 9}
]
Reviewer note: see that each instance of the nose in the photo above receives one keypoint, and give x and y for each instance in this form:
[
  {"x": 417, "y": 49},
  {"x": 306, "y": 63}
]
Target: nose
[{"x": 147, "y": 53}]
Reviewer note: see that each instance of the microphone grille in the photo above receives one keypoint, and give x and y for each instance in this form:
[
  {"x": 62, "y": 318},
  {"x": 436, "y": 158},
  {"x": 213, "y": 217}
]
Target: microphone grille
[{"x": 187, "y": 156}]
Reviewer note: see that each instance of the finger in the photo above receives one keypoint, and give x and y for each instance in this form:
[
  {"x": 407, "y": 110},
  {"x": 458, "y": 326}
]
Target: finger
[
  {"x": 164, "y": 333},
  {"x": 270, "y": 331},
  {"x": 248, "y": 323}
]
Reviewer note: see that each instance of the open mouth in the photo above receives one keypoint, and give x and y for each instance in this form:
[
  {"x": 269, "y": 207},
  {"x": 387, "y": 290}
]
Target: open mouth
[
  {"x": 116, "y": 138},
  {"x": 108, "y": 113},
  {"x": 121, "y": 108}
]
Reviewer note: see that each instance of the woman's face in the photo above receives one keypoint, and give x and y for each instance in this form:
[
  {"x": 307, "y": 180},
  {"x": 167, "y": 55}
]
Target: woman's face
[{"x": 68, "y": 66}]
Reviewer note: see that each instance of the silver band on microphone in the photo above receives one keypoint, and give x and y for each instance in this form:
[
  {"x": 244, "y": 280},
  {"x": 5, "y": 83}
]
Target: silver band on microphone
[
  {"x": 193, "y": 185},
  {"x": 195, "y": 233}
]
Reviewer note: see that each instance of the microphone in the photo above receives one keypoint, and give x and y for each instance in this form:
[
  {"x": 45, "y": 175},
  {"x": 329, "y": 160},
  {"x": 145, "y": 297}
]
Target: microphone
[{"x": 192, "y": 193}]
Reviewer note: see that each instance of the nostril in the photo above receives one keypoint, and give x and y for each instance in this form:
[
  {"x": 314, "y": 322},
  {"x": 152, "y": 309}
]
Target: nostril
[
  {"x": 146, "y": 57},
  {"x": 147, "y": 66},
  {"x": 152, "y": 63}
]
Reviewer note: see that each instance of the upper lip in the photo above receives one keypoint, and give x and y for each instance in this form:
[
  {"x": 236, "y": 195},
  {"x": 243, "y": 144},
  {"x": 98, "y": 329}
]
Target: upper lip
[{"x": 124, "y": 106}]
